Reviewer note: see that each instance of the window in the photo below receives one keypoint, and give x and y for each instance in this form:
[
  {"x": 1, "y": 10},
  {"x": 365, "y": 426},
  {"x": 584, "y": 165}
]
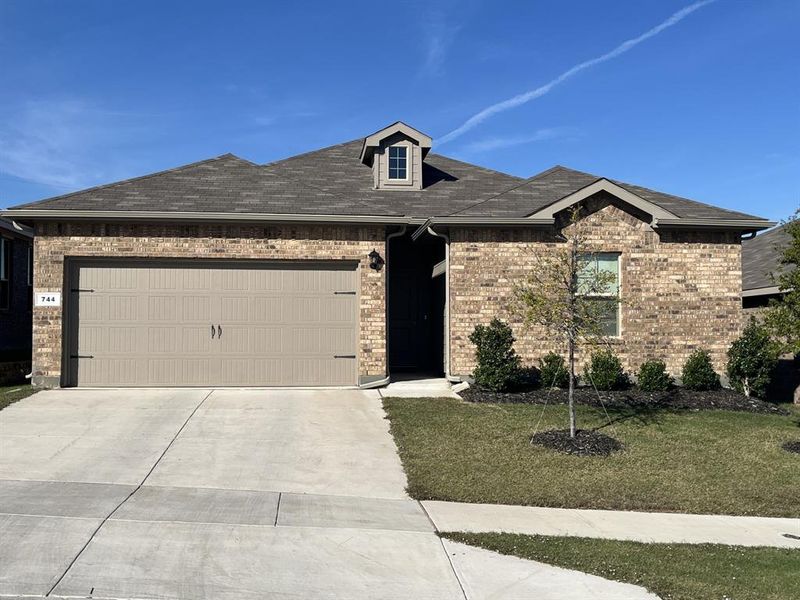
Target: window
[
  {"x": 599, "y": 280},
  {"x": 5, "y": 273},
  {"x": 398, "y": 162}
]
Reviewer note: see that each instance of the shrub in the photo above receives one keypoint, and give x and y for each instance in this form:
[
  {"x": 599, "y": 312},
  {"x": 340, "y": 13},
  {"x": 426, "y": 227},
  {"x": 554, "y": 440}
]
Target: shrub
[
  {"x": 553, "y": 372},
  {"x": 605, "y": 371},
  {"x": 653, "y": 377},
  {"x": 498, "y": 366},
  {"x": 752, "y": 360},
  {"x": 698, "y": 372}
]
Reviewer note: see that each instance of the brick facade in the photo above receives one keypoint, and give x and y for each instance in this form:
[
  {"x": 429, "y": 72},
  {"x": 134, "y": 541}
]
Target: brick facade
[
  {"x": 680, "y": 290},
  {"x": 56, "y": 241}
]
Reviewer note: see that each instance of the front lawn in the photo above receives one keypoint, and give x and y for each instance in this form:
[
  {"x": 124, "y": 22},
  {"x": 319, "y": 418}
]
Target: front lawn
[
  {"x": 678, "y": 461},
  {"x": 12, "y": 393},
  {"x": 672, "y": 571}
]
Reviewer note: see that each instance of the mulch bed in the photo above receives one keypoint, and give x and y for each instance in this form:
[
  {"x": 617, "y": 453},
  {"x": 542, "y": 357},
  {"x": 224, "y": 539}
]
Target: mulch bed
[
  {"x": 585, "y": 442},
  {"x": 677, "y": 399},
  {"x": 792, "y": 447}
]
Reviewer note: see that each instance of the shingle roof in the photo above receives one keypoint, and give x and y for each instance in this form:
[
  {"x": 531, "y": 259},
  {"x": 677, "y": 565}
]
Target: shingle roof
[
  {"x": 761, "y": 257},
  {"x": 333, "y": 181}
]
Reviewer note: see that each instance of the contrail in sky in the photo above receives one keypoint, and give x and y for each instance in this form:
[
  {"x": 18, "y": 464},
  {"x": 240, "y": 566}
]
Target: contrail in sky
[{"x": 526, "y": 97}]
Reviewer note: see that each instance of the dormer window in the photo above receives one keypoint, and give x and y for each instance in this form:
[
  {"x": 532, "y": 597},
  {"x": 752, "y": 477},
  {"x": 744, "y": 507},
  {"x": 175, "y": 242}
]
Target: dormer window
[
  {"x": 398, "y": 162},
  {"x": 396, "y": 155}
]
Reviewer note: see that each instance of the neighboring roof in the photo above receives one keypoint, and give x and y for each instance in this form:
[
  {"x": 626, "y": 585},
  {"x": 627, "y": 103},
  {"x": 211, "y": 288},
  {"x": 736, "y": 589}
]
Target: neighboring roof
[
  {"x": 8, "y": 226},
  {"x": 761, "y": 257},
  {"x": 334, "y": 182}
]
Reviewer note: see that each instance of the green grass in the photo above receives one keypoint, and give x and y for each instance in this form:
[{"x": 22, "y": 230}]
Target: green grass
[
  {"x": 672, "y": 571},
  {"x": 12, "y": 393},
  {"x": 698, "y": 462}
]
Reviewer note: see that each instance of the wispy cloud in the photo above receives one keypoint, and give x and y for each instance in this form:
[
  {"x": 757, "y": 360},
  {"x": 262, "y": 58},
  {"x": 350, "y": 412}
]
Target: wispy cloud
[
  {"x": 495, "y": 143},
  {"x": 526, "y": 97},
  {"x": 439, "y": 34},
  {"x": 55, "y": 142}
]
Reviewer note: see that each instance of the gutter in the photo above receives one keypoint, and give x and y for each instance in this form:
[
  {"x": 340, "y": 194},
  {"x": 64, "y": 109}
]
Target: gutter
[
  {"x": 215, "y": 217},
  {"x": 762, "y": 291},
  {"x": 755, "y": 224}
]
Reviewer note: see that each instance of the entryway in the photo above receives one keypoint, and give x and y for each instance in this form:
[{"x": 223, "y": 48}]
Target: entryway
[{"x": 416, "y": 306}]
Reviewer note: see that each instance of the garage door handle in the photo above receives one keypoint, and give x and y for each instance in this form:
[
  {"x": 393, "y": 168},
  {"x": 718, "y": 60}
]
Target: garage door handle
[
  {"x": 344, "y": 356},
  {"x": 219, "y": 331},
  {"x": 212, "y": 332}
]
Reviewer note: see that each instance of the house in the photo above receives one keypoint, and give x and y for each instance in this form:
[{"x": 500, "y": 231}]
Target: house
[
  {"x": 353, "y": 263},
  {"x": 760, "y": 266},
  {"x": 16, "y": 284}
]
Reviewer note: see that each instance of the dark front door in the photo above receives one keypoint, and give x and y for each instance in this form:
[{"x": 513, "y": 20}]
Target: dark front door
[{"x": 409, "y": 330}]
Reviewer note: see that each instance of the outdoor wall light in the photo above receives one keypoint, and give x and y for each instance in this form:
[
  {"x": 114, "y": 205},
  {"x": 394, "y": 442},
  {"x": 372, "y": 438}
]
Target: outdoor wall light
[{"x": 375, "y": 260}]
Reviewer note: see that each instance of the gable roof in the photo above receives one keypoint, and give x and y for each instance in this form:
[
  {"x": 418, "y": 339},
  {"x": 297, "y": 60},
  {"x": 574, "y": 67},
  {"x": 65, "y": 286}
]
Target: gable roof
[
  {"x": 334, "y": 182},
  {"x": 761, "y": 257}
]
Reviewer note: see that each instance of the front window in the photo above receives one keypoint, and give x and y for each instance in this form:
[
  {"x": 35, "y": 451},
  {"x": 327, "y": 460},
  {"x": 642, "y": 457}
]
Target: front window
[
  {"x": 5, "y": 273},
  {"x": 398, "y": 162},
  {"x": 598, "y": 280}
]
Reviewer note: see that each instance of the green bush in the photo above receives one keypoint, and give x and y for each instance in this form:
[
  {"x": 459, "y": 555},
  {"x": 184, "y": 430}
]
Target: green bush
[
  {"x": 605, "y": 371},
  {"x": 498, "y": 367},
  {"x": 752, "y": 360},
  {"x": 698, "y": 372},
  {"x": 553, "y": 372},
  {"x": 653, "y": 377}
]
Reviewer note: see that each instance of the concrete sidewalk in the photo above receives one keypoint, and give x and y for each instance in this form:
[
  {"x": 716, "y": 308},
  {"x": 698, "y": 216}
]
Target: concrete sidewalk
[
  {"x": 618, "y": 525},
  {"x": 233, "y": 494}
]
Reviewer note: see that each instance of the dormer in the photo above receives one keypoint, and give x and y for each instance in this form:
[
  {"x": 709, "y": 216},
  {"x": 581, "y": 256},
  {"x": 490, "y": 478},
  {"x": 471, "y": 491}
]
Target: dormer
[{"x": 395, "y": 154}]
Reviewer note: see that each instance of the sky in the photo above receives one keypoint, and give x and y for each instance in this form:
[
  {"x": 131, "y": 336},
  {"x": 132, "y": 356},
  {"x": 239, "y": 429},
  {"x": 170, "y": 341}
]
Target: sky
[{"x": 698, "y": 99}]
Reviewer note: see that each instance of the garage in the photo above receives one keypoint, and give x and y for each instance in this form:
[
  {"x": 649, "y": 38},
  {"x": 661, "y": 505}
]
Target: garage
[{"x": 206, "y": 323}]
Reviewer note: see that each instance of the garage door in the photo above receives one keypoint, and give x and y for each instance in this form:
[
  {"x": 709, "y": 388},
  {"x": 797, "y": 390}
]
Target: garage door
[{"x": 157, "y": 324}]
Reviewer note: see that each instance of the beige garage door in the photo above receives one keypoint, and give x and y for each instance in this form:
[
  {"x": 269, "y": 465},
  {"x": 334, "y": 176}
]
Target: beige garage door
[{"x": 157, "y": 324}]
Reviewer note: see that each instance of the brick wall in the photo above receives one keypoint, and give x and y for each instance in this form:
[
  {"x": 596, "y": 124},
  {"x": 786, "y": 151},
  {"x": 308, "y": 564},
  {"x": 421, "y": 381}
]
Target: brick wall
[
  {"x": 56, "y": 241},
  {"x": 680, "y": 290}
]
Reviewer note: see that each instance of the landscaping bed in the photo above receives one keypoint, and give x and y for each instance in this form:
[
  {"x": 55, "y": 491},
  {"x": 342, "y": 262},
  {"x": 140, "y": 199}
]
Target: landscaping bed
[
  {"x": 585, "y": 442},
  {"x": 677, "y": 399},
  {"x": 709, "y": 461},
  {"x": 672, "y": 571}
]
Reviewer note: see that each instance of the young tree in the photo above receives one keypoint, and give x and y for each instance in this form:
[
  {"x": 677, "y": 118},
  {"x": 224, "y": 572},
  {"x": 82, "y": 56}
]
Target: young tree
[
  {"x": 570, "y": 295},
  {"x": 783, "y": 316}
]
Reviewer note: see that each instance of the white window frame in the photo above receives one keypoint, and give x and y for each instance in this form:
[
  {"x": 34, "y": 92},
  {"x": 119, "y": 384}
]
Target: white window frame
[
  {"x": 595, "y": 255},
  {"x": 407, "y": 150}
]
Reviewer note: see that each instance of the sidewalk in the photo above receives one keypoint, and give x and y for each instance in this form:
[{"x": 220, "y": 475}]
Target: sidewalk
[{"x": 617, "y": 525}]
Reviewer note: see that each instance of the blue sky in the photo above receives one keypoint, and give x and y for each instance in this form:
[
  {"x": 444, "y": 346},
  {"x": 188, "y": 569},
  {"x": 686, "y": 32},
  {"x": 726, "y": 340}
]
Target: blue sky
[{"x": 707, "y": 107}]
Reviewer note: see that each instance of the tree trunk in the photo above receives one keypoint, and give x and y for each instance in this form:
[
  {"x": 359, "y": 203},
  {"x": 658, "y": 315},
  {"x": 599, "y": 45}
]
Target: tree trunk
[{"x": 571, "y": 388}]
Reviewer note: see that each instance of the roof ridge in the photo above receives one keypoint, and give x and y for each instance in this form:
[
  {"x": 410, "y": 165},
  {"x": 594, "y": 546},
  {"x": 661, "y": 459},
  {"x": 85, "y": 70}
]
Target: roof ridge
[
  {"x": 303, "y": 154},
  {"x": 103, "y": 186},
  {"x": 525, "y": 182}
]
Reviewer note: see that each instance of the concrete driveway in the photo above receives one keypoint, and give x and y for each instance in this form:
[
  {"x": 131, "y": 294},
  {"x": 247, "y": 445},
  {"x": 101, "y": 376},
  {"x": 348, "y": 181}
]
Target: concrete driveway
[{"x": 221, "y": 494}]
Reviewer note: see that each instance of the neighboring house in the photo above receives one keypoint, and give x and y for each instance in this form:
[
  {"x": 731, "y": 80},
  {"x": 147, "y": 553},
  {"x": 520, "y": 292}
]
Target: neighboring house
[
  {"x": 16, "y": 284},
  {"x": 761, "y": 266},
  {"x": 352, "y": 263}
]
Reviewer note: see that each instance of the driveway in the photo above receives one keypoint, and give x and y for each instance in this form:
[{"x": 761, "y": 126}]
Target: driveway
[{"x": 194, "y": 494}]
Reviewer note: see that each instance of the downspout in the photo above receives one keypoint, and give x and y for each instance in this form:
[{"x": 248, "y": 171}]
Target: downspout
[
  {"x": 385, "y": 380},
  {"x": 446, "y": 239}
]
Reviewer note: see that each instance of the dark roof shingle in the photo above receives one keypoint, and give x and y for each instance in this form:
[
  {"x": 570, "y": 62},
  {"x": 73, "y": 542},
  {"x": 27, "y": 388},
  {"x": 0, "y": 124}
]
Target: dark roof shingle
[
  {"x": 761, "y": 258},
  {"x": 333, "y": 181}
]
